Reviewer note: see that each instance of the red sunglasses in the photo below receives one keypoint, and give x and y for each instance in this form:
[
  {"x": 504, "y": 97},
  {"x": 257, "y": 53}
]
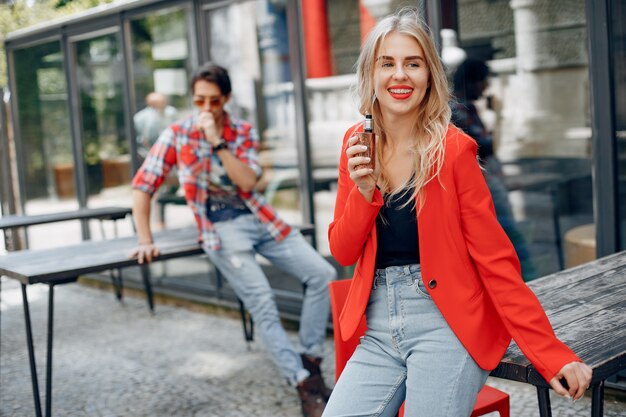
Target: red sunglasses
[{"x": 200, "y": 101}]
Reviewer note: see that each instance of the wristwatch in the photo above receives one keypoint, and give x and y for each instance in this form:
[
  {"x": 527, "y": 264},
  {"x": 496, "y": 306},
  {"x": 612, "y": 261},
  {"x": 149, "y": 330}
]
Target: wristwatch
[{"x": 221, "y": 145}]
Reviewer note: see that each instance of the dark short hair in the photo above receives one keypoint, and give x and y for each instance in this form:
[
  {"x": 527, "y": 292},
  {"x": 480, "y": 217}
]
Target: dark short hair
[
  {"x": 470, "y": 71},
  {"x": 212, "y": 73}
]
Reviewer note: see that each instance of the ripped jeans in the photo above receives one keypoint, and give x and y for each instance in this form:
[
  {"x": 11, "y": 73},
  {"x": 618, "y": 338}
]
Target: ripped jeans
[{"x": 243, "y": 237}]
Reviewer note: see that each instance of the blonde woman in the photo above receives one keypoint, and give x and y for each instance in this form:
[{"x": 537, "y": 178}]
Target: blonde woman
[{"x": 435, "y": 274}]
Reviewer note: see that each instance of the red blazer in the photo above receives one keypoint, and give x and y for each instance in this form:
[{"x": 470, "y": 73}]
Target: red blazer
[{"x": 463, "y": 249}]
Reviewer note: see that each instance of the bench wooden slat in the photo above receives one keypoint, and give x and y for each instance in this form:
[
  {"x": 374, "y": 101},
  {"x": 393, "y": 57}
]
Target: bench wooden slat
[
  {"x": 577, "y": 274},
  {"x": 104, "y": 213},
  {"x": 571, "y": 302}
]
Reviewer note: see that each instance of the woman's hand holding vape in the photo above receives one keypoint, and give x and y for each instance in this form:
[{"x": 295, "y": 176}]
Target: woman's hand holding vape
[{"x": 360, "y": 168}]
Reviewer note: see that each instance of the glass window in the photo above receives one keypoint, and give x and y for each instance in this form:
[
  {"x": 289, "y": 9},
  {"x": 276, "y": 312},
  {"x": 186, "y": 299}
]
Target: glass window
[
  {"x": 100, "y": 85},
  {"x": 44, "y": 140},
  {"x": 162, "y": 61},
  {"x": 535, "y": 111},
  {"x": 344, "y": 28},
  {"x": 47, "y": 164},
  {"x": 348, "y": 22},
  {"x": 332, "y": 107},
  {"x": 486, "y": 28},
  {"x": 258, "y": 63}
]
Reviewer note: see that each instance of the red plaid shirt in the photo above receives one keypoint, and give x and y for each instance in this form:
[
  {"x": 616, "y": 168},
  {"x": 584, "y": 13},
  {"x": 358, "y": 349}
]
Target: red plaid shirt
[{"x": 184, "y": 145}]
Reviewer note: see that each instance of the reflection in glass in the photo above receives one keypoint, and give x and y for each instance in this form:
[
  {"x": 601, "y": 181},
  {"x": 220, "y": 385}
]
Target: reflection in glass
[
  {"x": 46, "y": 144},
  {"x": 161, "y": 63},
  {"x": 161, "y": 57},
  {"x": 256, "y": 55},
  {"x": 100, "y": 88},
  {"x": 238, "y": 53},
  {"x": 537, "y": 109},
  {"x": 160, "y": 49}
]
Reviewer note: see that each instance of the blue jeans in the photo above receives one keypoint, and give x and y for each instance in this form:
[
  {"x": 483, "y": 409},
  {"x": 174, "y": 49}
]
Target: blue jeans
[
  {"x": 243, "y": 237},
  {"x": 408, "y": 353}
]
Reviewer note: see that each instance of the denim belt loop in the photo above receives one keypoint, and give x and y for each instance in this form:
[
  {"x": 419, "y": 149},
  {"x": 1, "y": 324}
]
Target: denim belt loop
[
  {"x": 408, "y": 275},
  {"x": 380, "y": 277},
  {"x": 376, "y": 277}
]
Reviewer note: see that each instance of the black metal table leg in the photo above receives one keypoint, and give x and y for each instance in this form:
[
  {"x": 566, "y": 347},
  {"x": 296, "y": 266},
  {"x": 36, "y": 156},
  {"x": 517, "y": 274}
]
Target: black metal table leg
[
  {"x": 49, "y": 359},
  {"x": 147, "y": 283},
  {"x": 116, "y": 281},
  {"x": 543, "y": 396},
  {"x": 31, "y": 353},
  {"x": 597, "y": 400},
  {"x": 219, "y": 282},
  {"x": 248, "y": 324},
  {"x": 116, "y": 273}
]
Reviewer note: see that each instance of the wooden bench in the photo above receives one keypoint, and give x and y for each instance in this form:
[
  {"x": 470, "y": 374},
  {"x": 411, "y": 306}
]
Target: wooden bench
[
  {"x": 65, "y": 264},
  {"x": 16, "y": 221},
  {"x": 100, "y": 213}
]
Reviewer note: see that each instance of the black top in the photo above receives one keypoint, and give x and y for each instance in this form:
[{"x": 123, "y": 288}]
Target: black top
[{"x": 396, "y": 228}]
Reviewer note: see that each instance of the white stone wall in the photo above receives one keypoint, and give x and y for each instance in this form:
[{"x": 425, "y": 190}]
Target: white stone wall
[{"x": 541, "y": 91}]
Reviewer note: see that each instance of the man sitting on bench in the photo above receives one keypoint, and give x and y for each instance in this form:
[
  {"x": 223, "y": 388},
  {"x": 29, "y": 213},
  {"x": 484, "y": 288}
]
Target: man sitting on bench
[{"x": 216, "y": 158}]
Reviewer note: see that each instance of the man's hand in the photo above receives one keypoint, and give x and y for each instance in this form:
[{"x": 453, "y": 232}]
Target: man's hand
[
  {"x": 578, "y": 377},
  {"x": 206, "y": 123},
  {"x": 144, "y": 252}
]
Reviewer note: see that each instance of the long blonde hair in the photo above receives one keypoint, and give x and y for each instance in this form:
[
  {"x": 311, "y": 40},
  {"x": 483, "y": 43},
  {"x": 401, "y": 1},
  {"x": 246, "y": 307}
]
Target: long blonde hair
[{"x": 431, "y": 117}]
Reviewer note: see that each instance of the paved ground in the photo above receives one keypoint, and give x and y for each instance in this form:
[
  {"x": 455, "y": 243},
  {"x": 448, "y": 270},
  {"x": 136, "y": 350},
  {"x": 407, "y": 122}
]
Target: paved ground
[{"x": 114, "y": 359}]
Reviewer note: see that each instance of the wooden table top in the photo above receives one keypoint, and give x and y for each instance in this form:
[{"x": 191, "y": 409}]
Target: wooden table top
[{"x": 587, "y": 308}]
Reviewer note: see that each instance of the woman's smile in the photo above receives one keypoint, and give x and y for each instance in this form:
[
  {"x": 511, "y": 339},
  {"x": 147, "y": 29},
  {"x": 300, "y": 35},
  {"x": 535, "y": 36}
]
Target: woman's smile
[{"x": 400, "y": 92}]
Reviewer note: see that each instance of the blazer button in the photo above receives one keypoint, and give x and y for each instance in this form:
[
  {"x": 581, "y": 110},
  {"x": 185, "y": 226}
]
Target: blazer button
[{"x": 432, "y": 283}]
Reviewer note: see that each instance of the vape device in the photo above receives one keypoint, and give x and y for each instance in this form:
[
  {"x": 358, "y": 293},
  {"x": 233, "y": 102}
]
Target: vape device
[{"x": 367, "y": 138}]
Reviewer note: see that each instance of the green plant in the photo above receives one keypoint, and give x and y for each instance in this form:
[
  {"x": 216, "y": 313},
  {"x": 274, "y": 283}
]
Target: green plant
[{"x": 92, "y": 153}]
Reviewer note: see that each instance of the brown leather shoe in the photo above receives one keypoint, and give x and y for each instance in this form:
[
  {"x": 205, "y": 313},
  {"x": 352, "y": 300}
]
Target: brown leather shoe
[
  {"x": 310, "y": 396},
  {"x": 313, "y": 366}
]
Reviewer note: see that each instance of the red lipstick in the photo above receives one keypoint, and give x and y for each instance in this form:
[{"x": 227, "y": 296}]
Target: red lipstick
[{"x": 400, "y": 92}]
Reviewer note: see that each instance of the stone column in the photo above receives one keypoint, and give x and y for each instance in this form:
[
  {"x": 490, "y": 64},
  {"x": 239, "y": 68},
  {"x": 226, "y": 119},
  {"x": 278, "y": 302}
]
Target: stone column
[
  {"x": 547, "y": 96},
  {"x": 528, "y": 116}
]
